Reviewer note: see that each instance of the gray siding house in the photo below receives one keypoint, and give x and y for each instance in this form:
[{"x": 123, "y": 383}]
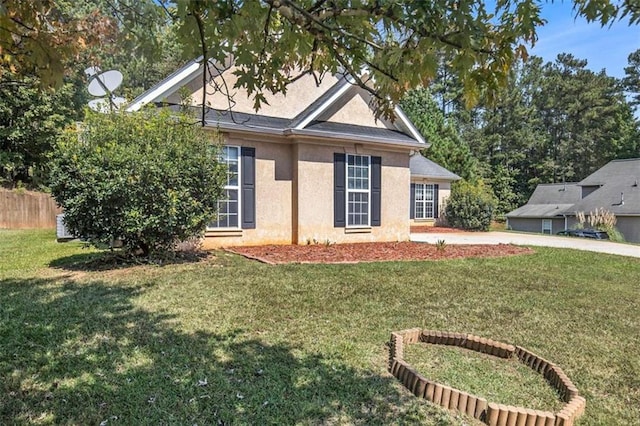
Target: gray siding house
[
  {"x": 614, "y": 187},
  {"x": 547, "y": 209}
]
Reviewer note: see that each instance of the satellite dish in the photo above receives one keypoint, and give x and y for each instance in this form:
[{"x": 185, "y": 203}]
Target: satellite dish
[
  {"x": 104, "y": 104},
  {"x": 91, "y": 71},
  {"x": 105, "y": 83},
  {"x": 100, "y": 105},
  {"x": 118, "y": 101}
]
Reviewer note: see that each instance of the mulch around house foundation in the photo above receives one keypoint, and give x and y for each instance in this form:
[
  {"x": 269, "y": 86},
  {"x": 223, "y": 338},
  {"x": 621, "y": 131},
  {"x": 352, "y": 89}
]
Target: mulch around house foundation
[{"x": 373, "y": 252}]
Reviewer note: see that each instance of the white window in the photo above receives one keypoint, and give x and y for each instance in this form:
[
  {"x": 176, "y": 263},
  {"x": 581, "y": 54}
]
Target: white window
[
  {"x": 358, "y": 190},
  {"x": 229, "y": 205},
  {"x": 546, "y": 226},
  {"x": 424, "y": 201}
]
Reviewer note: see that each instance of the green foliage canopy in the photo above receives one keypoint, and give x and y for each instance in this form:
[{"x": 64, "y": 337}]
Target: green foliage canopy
[
  {"x": 446, "y": 147},
  {"x": 31, "y": 118},
  {"x": 552, "y": 122},
  {"x": 151, "y": 179},
  {"x": 274, "y": 41},
  {"x": 470, "y": 206},
  {"x": 631, "y": 80}
]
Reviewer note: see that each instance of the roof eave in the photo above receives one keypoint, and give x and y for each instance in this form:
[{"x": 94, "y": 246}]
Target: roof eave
[
  {"x": 244, "y": 128},
  {"x": 410, "y": 127},
  {"x": 352, "y": 138},
  {"x": 446, "y": 178},
  {"x": 160, "y": 90}
]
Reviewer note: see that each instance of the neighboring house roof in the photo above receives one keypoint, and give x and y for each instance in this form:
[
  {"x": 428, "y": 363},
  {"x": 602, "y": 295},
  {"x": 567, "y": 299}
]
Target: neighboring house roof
[
  {"x": 314, "y": 119},
  {"x": 539, "y": 210},
  {"x": 619, "y": 191},
  {"x": 556, "y": 193},
  {"x": 549, "y": 200},
  {"x": 423, "y": 167},
  {"x": 616, "y": 171}
]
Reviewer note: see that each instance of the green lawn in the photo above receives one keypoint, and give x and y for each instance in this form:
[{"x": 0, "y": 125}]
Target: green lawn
[{"x": 232, "y": 341}]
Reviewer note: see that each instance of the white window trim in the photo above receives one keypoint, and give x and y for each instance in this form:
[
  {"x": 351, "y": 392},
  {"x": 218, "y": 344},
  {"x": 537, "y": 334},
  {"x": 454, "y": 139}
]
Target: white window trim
[
  {"x": 424, "y": 202},
  {"x": 365, "y": 191},
  {"x": 237, "y": 188},
  {"x": 550, "y": 229}
]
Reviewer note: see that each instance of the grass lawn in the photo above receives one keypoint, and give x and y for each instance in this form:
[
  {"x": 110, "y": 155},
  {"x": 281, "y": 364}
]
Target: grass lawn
[{"x": 232, "y": 341}]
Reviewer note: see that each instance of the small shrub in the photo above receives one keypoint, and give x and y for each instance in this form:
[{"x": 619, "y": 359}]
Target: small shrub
[
  {"x": 470, "y": 206},
  {"x": 441, "y": 245},
  {"x": 615, "y": 235}
]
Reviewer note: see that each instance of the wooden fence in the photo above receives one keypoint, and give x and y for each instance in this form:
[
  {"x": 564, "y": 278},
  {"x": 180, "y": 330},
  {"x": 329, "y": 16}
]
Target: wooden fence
[{"x": 26, "y": 209}]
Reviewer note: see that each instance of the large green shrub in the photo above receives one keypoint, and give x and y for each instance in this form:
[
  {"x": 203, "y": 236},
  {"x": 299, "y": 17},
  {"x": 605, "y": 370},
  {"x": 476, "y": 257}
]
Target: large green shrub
[
  {"x": 150, "y": 179},
  {"x": 470, "y": 206}
]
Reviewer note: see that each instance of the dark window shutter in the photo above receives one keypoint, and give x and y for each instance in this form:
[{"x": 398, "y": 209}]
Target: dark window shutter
[
  {"x": 339, "y": 190},
  {"x": 412, "y": 202},
  {"x": 435, "y": 201},
  {"x": 376, "y": 190},
  {"x": 248, "y": 182}
]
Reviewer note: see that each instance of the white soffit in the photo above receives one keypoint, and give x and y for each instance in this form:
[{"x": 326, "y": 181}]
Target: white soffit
[
  {"x": 325, "y": 105},
  {"x": 168, "y": 86},
  {"x": 408, "y": 125}
]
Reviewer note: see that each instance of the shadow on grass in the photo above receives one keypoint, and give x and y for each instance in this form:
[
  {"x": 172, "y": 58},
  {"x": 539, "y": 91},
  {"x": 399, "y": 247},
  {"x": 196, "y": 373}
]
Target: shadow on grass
[
  {"x": 85, "y": 353},
  {"x": 111, "y": 260}
]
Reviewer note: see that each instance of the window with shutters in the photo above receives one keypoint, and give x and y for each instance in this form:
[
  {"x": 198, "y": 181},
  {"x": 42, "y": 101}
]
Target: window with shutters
[
  {"x": 358, "y": 194},
  {"x": 229, "y": 206},
  {"x": 424, "y": 201}
]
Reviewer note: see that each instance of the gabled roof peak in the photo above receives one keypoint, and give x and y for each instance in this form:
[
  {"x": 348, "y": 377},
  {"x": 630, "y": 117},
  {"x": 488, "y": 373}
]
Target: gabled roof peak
[{"x": 303, "y": 107}]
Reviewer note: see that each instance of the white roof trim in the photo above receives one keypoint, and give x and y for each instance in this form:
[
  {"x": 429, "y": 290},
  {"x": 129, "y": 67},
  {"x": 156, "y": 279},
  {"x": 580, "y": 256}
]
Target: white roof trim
[
  {"x": 165, "y": 87},
  {"x": 190, "y": 70},
  {"x": 409, "y": 125},
  {"x": 325, "y": 105}
]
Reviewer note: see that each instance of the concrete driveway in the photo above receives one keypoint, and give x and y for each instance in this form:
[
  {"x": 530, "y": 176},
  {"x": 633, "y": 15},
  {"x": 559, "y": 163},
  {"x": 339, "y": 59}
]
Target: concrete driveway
[{"x": 528, "y": 240}]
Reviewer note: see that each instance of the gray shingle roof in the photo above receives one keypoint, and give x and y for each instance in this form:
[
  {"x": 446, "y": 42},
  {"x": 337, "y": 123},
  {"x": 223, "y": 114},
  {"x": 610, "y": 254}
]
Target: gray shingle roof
[
  {"x": 618, "y": 192},
  {"x": 362, "y": 131},
  {"x": 615, "y": 172},
  {"x": 540, "y": 210},
  {"x": 217, "y": 117},
  {"x": 619, "y": 180},
  {"x": 623, "y": 199},
  {"x": 549, "y": 200},
  {"x": 406, "y": 135},
  {"x": 238, "y": 120},
  {"x": 556, "y": 193},
  {"x": 423, "y": 167}
]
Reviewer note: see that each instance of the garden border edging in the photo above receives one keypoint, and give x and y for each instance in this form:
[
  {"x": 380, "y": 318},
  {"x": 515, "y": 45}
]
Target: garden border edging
[{"x": 488, "y": 412}]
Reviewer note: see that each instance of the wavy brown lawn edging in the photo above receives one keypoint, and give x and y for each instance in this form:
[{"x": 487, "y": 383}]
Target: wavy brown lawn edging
[
  {"x": 490, "y": 413},
  {"x": 373, "y": 252}
]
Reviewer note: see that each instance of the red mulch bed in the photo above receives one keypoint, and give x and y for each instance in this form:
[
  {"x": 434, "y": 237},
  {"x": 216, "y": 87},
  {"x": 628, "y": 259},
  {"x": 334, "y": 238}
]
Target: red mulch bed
[{"x": 372, "y": 252}]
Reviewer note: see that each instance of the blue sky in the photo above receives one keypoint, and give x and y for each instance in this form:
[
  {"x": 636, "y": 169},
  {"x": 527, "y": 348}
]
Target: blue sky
[{"x": 606, "y": 47}]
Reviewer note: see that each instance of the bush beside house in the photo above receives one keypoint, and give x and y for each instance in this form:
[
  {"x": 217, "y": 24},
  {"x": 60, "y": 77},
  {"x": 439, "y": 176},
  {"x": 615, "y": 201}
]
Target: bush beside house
[
  {"x": 470, "y": 206},
  {"x": 151, "y": 179}
]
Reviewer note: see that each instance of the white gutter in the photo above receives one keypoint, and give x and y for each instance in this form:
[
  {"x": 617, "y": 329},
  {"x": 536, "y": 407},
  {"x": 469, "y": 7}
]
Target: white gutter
[
  {"x": 410, "y": 127},
  {"x": 163, "y": 89},
  {"x": 325, "y": 105}
]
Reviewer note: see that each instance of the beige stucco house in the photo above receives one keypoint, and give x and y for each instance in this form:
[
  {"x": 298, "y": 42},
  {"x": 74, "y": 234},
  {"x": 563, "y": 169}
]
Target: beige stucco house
[{"x": 312, "y": 166}]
